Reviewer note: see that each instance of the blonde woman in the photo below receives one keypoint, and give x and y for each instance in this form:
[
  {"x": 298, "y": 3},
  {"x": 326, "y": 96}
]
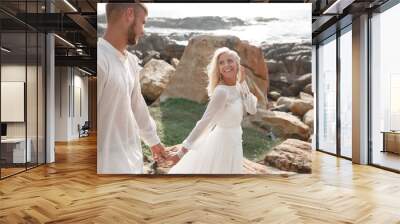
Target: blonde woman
[{"x": 214, "y": 146}]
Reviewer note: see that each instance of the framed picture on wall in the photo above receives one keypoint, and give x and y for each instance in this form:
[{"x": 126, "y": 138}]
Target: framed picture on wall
[
  {"x": 205, "y": 88},
  {"x": 12, "y": 101}
]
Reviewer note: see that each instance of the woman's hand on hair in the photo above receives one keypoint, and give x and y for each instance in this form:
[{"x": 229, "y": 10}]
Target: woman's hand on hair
[{"x": 242, "y": 74}]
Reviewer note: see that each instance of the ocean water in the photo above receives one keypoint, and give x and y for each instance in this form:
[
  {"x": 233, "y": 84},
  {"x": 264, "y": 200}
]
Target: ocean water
[
  {"x": 257, "y": 33},
  {"x": 278, "y": 31}
]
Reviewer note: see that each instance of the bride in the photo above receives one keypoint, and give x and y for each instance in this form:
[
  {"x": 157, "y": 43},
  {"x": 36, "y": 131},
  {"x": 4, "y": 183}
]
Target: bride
[{"x": 214, "y": 146}]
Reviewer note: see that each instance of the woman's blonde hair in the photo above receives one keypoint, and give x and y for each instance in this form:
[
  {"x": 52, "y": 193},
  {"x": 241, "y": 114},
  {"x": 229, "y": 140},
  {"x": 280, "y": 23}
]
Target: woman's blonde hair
[{"x": 214, "y": 77}]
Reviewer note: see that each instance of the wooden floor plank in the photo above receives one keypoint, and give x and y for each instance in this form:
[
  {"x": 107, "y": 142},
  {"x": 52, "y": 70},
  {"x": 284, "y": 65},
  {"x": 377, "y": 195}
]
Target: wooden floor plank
[{"x": 70, "y": 191}]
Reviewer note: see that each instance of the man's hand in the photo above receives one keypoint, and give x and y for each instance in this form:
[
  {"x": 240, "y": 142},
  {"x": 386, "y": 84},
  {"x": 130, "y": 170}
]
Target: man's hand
[{"x": 158, "y": 152}]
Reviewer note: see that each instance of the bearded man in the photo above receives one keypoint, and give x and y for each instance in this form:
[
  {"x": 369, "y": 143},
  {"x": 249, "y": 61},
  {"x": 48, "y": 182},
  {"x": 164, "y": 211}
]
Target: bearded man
[{"x": 123, "y": 116}]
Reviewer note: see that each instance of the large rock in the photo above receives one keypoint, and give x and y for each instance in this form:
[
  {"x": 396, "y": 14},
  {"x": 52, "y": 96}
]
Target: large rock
[
  {"x": 297, "y": 106},
  {"x": 279, "y": 81},
  {"x": 298, "y": 85},
  {"x": 306, "y": 97},
  {"x": 308, "y": 119},
  {"x": 148, "y": 55},
  {"x": 154, "y": 77},
  {"x": 298, "y": 64},
  {"x": 167, "y": 48},
  {"x": 191, "y": 80},
  {"x": 300, "y": 107},
  {"x": 286, "y": 101},
  {"x": 274, "y": 95},
  {"x": 174, "y": 62},
  {"x": 252, "y": 58},
  {"x": 308, "y": 89},
  {"x": 286, "y": 63},
  {"x": 282, "y": 108},
  {"x": 255, "y": 85},
  {"x": 291, "y": 155},
  {"x": 275, "y": 67},
  {"x": 270, "y": 104},
  {"x": 295, "y": 56},
  {"x": 172, "y": 51},
  {"x": 281, "y": 124},
  {"x": 153, "y": 42},
  {"x": 283, "y": 104},
  {"x": 251, "y": 167}
]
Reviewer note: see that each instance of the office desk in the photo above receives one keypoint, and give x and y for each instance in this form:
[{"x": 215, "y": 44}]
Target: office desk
[
  {"x": 13, "y": 150},
  {"x": 391, "y": 141}
]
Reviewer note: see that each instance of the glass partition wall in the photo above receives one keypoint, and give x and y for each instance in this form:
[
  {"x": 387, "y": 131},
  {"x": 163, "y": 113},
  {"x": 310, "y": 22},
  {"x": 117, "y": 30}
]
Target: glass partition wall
[
  {"x": 334, "y": 90},
  {"x": 334, "y": 94},
  {"x": 326, "y": 114},
  {"x": 22, "y": 77},
  {"x": 345, "y": 62},
  {"x": 13, "y": 110},
  {"x": 385, "y": 89}
]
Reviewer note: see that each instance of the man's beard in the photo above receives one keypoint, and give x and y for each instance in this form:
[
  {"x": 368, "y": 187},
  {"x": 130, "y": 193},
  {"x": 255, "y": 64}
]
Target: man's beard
[{"x": 132, "y": 40}]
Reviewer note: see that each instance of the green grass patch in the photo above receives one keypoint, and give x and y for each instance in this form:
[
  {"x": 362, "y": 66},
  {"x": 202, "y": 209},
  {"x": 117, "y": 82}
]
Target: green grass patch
[{"x": 175, "y": 119}]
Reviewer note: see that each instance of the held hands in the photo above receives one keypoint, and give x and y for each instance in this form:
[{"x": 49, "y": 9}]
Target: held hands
[
  {"x": 159, "y": 153},
  {"x": 175, "y": 157},
  {"x": 167, "y": 157}
]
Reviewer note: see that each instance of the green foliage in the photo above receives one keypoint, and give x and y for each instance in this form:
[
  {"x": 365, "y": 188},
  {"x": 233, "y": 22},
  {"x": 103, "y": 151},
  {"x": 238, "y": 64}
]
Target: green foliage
[
  {"x": 256, "y": 144},
  {"x": 175, "y": 118}
]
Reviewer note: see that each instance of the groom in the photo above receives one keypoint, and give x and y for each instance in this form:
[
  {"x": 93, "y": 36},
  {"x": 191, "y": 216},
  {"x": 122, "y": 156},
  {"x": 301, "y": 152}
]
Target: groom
[{"x": 123, "y": 117}]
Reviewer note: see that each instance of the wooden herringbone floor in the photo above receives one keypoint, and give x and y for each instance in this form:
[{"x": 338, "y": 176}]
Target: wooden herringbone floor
[{"x": 70, "y": 191}]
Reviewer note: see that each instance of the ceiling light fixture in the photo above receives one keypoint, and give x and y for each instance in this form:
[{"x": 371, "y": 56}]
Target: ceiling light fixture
[
  {"x": 84, "y": 71},
  {"x": 70, "y": 5},
  {"x": 5, "y": 50},
  {"x": 338, "y": 6},
  {"x": 79, "y": 51},
  {"x": 64, "y": 40}
]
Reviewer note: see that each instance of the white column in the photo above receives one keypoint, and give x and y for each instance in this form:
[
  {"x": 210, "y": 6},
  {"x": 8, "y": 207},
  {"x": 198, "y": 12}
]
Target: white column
[
  {"x": 50, "y": 110},
  {"x": 50, "y": 92},
  {"x": 63, "y": 103},
  {"x": 360, "y": 90}
]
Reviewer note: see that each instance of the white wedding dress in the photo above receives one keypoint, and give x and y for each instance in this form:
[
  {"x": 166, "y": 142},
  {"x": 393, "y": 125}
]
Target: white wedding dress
[{"x": 215, "y": 143}]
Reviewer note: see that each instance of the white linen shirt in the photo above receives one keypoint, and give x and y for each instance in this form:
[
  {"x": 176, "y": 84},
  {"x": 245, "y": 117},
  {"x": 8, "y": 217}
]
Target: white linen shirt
[{"x": 123, "y": 116}]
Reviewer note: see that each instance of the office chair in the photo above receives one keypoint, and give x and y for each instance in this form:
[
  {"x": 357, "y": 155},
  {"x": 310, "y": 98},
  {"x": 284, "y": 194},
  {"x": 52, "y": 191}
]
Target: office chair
[{"x": 84, "y": 130}]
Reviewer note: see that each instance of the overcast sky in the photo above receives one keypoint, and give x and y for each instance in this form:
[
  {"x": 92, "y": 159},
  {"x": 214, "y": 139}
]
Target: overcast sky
[{"x": 240, "y": 10}]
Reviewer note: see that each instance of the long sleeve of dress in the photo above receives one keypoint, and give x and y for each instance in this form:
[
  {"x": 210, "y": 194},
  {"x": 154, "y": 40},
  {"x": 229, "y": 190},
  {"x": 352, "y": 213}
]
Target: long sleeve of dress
[
  {"x": 249, "y": 100},
  {"x": 210, "y": 116},
  {"x": 147, "y": 126}
]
